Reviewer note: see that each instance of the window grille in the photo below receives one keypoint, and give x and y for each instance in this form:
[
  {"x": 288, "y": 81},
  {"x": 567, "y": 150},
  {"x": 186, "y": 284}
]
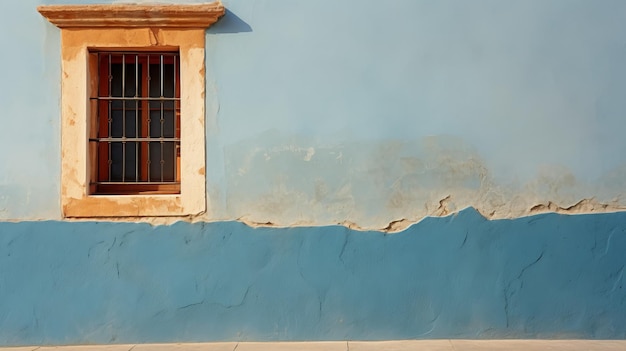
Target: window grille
[{"x": 137, "y": 139}]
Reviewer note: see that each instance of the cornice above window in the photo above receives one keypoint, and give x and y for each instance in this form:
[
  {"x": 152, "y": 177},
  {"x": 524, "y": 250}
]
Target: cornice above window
[{"x": 130, "y": 15}]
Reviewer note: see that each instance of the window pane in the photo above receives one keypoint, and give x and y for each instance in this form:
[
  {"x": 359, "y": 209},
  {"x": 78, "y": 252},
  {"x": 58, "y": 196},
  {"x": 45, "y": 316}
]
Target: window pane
[
  {"x": 155, "y": 79},
  {"x": 162, "y": 161},
  {"x": 129, "y": 84},
  {"x": 125, "y": 113}
]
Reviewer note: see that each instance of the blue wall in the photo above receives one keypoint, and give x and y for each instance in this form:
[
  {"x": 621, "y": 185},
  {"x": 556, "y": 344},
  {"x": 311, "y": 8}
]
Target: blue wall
[
  {"x": 548, "y": 276},
  {"x": 360, "y": 113},
  {"x": 388, "y": 108}
]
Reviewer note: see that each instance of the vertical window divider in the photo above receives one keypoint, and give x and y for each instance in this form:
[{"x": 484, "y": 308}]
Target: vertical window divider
[
  {"x": 98, "y": 118},
  {"x": 123, "y": 118},
  {"x": 137, "y": 102},
  {"x": 175, "y": 116},
  {"x": 110, "y": 119},
  {"x": 161, "y": 120},
  {"x": 148, "y": 119}
]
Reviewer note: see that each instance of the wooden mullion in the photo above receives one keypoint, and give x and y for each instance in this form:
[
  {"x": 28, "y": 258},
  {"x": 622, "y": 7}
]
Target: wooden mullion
[
  {"x": 103, "y": 113},
  {"x": 177, "y": 116}
]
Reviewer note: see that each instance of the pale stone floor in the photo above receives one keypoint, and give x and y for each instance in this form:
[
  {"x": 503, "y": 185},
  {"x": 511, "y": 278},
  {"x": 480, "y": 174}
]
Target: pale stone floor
[{"x": 426, "y": 345}]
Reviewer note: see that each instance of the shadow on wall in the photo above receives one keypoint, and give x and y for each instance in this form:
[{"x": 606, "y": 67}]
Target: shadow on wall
[{"x": 230, "y": 23}]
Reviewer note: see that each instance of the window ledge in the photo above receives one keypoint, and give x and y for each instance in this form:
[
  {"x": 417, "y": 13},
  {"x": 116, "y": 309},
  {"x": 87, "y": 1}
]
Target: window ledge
[{"x": 129, "y": 16}]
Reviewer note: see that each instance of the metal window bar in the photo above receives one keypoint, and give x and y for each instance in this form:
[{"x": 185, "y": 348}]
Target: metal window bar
[
  {"x": 130, "y": 98},
  {"x": 124, "y": 118},
  {"x": 109, "y": 110},
  {"x": 137, "y": 145},
  {"x": 138, "y": 141},
  {"x": 161, "y": 120},
  {"x": 148, "y": 121},
  {"x": 175, "y": 117}
]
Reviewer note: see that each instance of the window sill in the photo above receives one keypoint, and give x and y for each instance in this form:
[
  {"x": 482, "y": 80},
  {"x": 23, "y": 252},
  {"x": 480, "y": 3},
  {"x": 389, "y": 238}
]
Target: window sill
[{"x": 125, "y": 206}]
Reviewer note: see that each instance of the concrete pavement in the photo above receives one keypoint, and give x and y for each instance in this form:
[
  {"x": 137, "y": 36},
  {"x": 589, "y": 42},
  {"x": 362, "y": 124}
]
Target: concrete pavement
[{"x": 402, "y": 345}]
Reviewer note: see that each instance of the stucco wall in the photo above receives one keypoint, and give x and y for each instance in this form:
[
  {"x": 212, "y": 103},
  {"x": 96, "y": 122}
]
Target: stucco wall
[
  {"x": 367, "y": 114},
  {"x": 549, "y": 276},
  {"x": 324, "y": 112}
]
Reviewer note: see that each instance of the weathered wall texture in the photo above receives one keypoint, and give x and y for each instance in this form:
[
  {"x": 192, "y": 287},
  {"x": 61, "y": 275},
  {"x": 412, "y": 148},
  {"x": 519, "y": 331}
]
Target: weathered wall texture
[
  {"x": 548, "y": 276},
  {"x": 380, "y": 111},
  {"x": 325, "y": 112},
  {"x": 367, "y": 114},
  {"x": 370, "y": 184}
]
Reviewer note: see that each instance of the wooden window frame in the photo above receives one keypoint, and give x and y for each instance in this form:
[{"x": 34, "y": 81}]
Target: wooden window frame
[
  {"x": 144, "y": 28},
  {"x": 98, "y": 179}
]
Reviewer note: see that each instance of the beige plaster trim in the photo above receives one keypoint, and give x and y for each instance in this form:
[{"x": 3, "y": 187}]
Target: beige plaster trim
[
  {"x": 127, "y": 15},
  {"x": 76, "y": 85}
]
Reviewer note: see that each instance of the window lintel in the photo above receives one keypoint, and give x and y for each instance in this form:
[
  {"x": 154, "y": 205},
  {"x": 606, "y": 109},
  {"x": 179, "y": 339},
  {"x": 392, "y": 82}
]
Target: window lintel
[{"x": 131, "y": 15}]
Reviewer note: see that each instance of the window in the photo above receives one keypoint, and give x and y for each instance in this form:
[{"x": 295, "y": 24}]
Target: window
[
  {"x": 132, "y": 108},
  {"x": 137, "y": 129}
]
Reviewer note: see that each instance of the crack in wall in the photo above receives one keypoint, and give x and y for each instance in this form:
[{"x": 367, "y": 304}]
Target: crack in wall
[
  {"x": 445, "y": 207},
  {"x": 464, "y": 239},
  {"x": 397, "y": 225},
  {"x": 582, "y": 206},
  {"x": 343, "y": 248},
  {"x": 443, "y": 210},
  {"x": 192, "y": 304},
  {"x": 510, "y": 291},
  {"x": 618, "y": 279},
  {"x": 320, "y": 297}
]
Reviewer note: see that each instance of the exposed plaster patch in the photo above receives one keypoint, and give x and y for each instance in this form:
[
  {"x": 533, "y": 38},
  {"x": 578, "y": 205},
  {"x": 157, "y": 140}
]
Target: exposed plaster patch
[
  {"x": 350, "y": 225},
  {"x": 582, "y": 206},
  {"x": 443, "y": 210},
  {"x": 388, "y": 185},
  {"x": 397, "y": 226},
  {"x": 255, "y": 224}
]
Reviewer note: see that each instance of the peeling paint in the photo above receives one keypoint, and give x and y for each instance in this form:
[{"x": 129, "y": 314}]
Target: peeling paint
[
  {"x": 387, "y": 185},
  {"x": 582, "y": 206}
]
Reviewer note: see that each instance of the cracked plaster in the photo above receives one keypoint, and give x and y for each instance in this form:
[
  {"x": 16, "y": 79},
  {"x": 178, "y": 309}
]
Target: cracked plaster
[
  {"x": 389, "y": 186},
  {"x": 461, "y": 276}
]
